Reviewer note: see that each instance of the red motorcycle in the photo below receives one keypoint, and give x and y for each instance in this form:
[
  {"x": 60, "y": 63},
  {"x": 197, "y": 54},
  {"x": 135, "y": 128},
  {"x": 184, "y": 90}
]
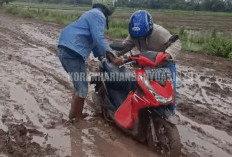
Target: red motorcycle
[{"x": 141, "y": 101}]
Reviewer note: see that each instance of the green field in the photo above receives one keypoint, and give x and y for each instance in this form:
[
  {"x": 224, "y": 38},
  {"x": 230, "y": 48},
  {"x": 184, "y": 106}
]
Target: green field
[{"x": 208, "y": 32}]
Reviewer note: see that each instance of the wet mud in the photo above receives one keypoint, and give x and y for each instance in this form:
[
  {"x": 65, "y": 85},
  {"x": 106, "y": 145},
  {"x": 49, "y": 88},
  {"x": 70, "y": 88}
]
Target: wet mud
[
  {"x": 18, "y": 141},
  {"x": 35, "y": 95}
]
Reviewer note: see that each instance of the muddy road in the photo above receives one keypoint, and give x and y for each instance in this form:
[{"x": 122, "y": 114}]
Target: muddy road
[{"x": 35, "y": 100}]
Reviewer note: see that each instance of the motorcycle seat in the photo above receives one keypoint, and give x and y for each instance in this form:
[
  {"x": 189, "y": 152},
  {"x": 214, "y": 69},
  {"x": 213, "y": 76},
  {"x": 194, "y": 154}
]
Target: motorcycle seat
[
  {"x": 150, "y": 54},
  {"x": 110, "y": 67},
  {"x": 119, "y": 78}
]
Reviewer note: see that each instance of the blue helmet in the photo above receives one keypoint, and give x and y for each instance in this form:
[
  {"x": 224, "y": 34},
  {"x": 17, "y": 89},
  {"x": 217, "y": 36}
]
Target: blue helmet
[{"x": 141, "y": 24}]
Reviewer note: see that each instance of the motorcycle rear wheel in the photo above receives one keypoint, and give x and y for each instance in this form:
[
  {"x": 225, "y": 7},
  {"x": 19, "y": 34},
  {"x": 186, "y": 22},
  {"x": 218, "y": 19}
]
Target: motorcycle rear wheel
[
  {"x": 163, "y": 138},
  {"x": 97, "y": 103}
]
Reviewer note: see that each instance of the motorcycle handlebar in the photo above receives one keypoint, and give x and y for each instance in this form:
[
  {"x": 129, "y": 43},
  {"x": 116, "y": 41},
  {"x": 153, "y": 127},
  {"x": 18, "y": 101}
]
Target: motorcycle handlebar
[
  {"x": 133, "y": 62},
  {"x": 128, "y": 62}
]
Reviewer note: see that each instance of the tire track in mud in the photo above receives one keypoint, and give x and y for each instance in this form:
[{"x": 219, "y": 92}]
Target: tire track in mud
[
  {"x": 35, "y": 92},
  {"x": 32, "y": 106},
  {"x": 205, "y": 104},
  {"x": 210, "y": 95}
]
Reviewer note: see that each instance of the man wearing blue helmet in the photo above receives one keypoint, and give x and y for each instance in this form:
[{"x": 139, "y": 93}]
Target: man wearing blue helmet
[{"x": 147, "y": 36}]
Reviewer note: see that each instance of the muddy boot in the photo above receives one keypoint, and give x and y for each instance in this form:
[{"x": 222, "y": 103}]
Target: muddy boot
[
  {"x": 96, "y": 105},
  {"x": 72, "y": 112},
  {"x": 77, "y": 108},
  {"x": 79, "y": 105},
  {"x": 78, "y": 120}
]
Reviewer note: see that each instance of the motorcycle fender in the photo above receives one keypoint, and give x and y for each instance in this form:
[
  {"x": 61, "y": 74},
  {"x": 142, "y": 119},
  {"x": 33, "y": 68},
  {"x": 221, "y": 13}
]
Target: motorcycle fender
[{"x": 173, "y": 120}]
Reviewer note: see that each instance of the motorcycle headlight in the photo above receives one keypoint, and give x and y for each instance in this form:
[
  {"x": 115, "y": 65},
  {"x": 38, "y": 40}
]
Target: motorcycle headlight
[{"x": 158, "y": 97}]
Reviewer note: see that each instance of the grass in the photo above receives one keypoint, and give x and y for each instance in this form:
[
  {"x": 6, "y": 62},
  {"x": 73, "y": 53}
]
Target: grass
[
  {"x": 216, "y": 43},
  {"x": 119, "y": 10},
  {"x": 42, "y": 14},
  {"x": 50, "y": 6},
  {"x": 213, "y": 43},
  {"x": 118, "y": 28}
]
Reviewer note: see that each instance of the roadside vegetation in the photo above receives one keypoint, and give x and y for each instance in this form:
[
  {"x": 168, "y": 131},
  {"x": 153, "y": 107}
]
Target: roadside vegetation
[
  {"x": 197, "y": 5},
  {"x": 41, "y": 14},
  {"x": 213, "y": 42}
]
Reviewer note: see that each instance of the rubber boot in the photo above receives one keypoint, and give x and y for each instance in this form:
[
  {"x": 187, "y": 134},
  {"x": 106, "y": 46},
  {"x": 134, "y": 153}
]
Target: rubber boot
[{"x": 76, "y": 110}]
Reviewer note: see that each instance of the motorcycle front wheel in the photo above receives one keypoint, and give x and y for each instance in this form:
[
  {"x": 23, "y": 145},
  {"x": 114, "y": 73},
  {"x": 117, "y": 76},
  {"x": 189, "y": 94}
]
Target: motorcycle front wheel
[{"x": 163, "y": 138}]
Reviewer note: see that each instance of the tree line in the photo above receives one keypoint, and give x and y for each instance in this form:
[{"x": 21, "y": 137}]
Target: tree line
[
  {"x": 197, "y": 5},
  {"x": 5, "y": 1}
]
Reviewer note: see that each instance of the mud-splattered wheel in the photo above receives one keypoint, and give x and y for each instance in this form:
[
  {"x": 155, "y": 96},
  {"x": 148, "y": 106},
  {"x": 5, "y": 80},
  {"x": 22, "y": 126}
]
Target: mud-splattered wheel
[
  {"x": 96, "y": 103},
  {"x": 163, "y": 137},
  {"x": 98, "y": 98}
]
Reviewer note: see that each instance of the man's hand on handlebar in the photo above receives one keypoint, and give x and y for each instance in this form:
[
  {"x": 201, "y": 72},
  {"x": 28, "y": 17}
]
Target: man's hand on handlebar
[{"x": 115, "y": 60}]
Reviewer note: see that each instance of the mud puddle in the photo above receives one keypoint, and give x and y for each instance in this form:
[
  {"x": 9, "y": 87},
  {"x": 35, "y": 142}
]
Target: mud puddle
[
  {"x": 204, "y": 140},
  {"x": 35, "y": 93}
]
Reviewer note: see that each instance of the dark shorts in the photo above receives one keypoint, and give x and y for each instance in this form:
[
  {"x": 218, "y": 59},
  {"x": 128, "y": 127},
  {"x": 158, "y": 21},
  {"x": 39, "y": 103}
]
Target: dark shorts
[{"x": 74, "y": 65}]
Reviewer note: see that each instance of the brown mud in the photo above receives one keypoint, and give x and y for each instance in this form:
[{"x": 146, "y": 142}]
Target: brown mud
[{"x": 35, "y": 94}]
